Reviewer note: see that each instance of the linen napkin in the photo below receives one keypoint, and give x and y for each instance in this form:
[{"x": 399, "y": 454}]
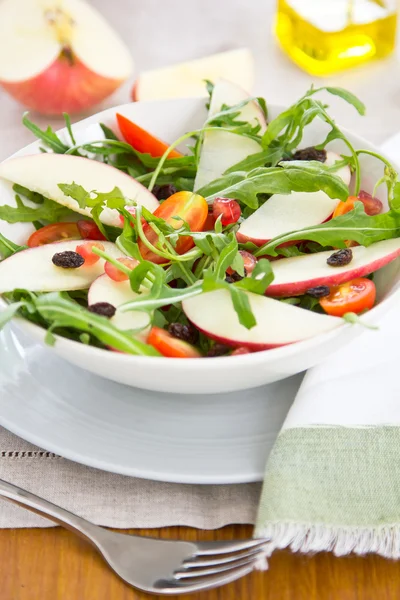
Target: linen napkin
[{"x": 332, "y": 480}]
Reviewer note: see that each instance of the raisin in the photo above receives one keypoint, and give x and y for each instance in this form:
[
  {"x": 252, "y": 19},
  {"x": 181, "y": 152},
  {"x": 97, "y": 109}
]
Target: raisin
[
  {"x": 310, "y": 153},
  {"x": 218, "y": 350},
  {"x": 162, "y": 192},
  {"x": 187, "y": 333},
  {"x": 341, "y": 258},
  {"x": 234, "y": 277},
  {"x": 68, "y": 260},
  {"x": 104, "y": 309},
  {"x": 320, "y": 291}
]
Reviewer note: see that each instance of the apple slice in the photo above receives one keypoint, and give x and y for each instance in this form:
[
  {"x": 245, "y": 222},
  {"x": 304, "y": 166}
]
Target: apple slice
[
  {"x": 59, "y": 57},
  {"x": 294, "y": 276},
  {"x": 278, "y": 323},
  {"x": 187, "y": 79},
  {"x": 221, "y": 150},
  {"x": 33, "y": 269},
  {"x": 43, "y": 172},
  {"x": 104, "y": 289},
  {"x": 283, "y": 213}
]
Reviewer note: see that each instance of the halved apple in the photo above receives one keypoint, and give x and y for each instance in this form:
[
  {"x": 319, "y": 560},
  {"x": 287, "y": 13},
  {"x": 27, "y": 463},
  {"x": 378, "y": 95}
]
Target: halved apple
[
  {"x": 294, "y": 276},
  {"x": 221, "y": 149},
  {"x": 278, "y": 323},
  {"x": 104, "y": 289},
  {"x": 283, "y": 213},
  {"x": 186, "y": 79},
  {"x": 34, "y": 270},
  {"x": 43, "y": 172},
  {"x": 59, "y": 57}
]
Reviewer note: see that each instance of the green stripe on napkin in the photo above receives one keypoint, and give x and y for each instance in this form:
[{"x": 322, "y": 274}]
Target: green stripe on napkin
[{"x": 333, "y": 488}]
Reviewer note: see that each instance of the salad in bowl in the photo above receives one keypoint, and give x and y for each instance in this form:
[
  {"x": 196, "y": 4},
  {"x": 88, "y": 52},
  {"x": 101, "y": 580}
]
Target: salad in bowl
[{"x": 250, "y": 243}]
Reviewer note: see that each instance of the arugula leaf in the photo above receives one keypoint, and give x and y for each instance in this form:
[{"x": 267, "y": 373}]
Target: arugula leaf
[
  {"x": 260, "y": 279},
  {"x": 347, "y": 96},
  {"x": 245, "y": 187},
  {"x": 62, "y": 312},
  {"x": 47, "y": 211},
  {"x": 76, "y": 192},
  {"x": 47, "y": 136},
  {"x": 108, "y": 133},
  {"x": 6, "y": 314},
  {"x": 67, "y": 120},
  {"x": 34, "y": 197},
  {"x": 355, "y": 225},
  {"x": 8, "y": 248}
]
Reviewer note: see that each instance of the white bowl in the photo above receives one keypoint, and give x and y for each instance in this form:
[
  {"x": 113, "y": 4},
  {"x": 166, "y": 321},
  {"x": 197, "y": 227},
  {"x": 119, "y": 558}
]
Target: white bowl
[{"x": 169, "y": 119}]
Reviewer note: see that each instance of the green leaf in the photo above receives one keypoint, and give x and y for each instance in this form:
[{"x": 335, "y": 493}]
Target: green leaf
[
  {"x": 260, "y": 279},
  {"x": 109, "y": 134},
  {"x": 69, "y": 127},
  {"x": 8, "y": 248},
  {"x": 47, "y": 136},
  {"x": 47, "y": 211},
  {"x": 6, "y": 314},
  {"x": 64, "y": 313},
  {"x": 226, "y": 257},
  {"x": 245, "y": 187},
  {"x": 76, "y": 192},
  {"x": 354, "y": 225},
  {"x": 32, "y": 196},
  {"x": 348, "y": 97}
]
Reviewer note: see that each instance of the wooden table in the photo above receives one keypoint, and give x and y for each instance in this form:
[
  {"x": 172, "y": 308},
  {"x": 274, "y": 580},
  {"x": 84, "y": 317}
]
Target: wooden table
[{"x": 54, "y": 564}]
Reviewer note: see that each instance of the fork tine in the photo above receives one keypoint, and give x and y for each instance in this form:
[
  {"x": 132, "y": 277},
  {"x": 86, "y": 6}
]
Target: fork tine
[
  {"x": 220, "y": 559},
  {"x": 176, "y": 586},
  {"x": 210, "y": 548},
  {"x": 194, "y": 573}
]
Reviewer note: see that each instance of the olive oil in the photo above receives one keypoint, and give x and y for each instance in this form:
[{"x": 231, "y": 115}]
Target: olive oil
[{"x": 328, "y": 36}]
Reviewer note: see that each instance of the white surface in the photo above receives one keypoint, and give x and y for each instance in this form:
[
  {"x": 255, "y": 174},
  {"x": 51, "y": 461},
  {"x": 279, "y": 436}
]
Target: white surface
[
  {"x": 357, "y": 386},
  {"x": 178, "y": 438},
  {"x": 168, "y": 120}
]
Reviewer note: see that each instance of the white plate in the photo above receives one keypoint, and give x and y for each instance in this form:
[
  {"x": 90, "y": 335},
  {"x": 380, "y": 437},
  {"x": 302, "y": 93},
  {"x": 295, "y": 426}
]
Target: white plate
[{"x": 166, "y": 437}]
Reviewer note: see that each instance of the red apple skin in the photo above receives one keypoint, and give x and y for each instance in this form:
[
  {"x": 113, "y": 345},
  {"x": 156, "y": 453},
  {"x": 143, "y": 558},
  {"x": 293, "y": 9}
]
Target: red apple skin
[
  {"x": 298, "y": 288},
  {"x": 243, "y": 239},
  {"x": 240, "y": 344},
  {"x": 62, "y": 87}
]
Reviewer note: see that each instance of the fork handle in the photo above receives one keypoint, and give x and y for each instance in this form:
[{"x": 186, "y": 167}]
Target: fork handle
[{"x": 44, "y": 508}]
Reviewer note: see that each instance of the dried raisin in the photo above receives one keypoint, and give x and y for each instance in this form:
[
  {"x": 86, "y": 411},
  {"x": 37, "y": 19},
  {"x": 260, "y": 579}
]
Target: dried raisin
[
  {"x": 187, "y": 333},
  {"x": 104, "y": 309},
  {"x": 320, "y": 291},
  {"x": 68, "y": 260},
  {"x": 310, "y": 153},
  {"x": 162, "y": 192},
  {"x": 341, "y": 258}
]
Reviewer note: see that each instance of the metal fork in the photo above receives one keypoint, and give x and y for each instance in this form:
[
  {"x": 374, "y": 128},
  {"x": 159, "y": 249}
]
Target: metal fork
[{"x": 152, "y": 565}]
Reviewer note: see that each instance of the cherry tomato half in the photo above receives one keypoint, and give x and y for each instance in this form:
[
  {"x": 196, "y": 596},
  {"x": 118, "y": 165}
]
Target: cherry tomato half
[
  {"x": 141, "y": 140},
  {"x": 170, "y": 346},
  {"x": 85, "y": 250},
  {"x": 354, "y": 296},
  {"x": 90, "y": 231},
  {"x": 56, "y": 232},
  {"x": 190, "y": 207},
  {"x": 372, "y": 206}
]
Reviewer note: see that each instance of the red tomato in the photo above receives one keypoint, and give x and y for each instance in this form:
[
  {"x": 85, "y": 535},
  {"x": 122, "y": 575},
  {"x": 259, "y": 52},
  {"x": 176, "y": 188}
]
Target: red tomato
[
  {"x": 90, "y": 231},
  {"x": 210, "y": 222},
  {"x": 354, "y": 296},
  {"x": 115, "y": 274},
  {"x": 372, "y": 206},
  {"x": 85, "y": 250},
  {"x": 190, "y": 207},
  {"x": 229, "y": 209},
  {"x": 141, "y": 140},
  {"x": 170, "y": 346},
  {"x": 56, "y": 232}
]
